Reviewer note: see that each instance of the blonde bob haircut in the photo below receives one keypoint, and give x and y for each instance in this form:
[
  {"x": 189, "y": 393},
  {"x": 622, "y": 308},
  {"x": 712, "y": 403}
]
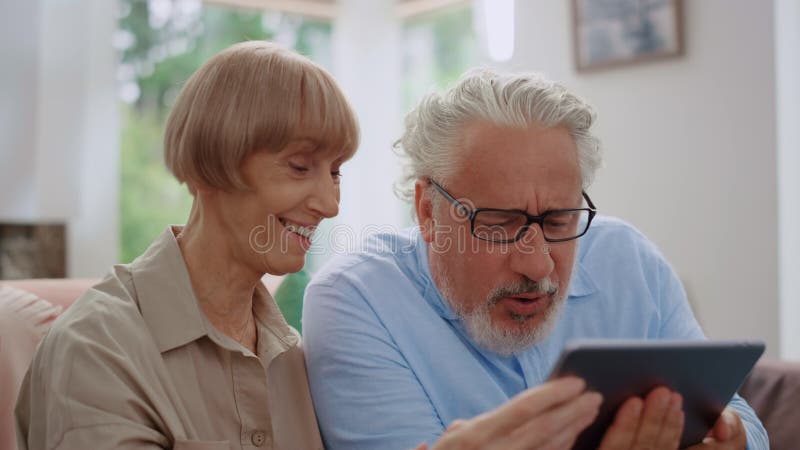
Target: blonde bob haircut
[{"x": 253, "y": 96}]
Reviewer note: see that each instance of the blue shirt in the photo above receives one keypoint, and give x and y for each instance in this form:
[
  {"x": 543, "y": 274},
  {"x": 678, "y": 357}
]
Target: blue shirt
[{"x": 390, "y": 364}]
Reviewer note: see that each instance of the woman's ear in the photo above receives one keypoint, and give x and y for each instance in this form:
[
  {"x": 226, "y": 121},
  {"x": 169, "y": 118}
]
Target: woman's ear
[{"x": 424, "y": 209}]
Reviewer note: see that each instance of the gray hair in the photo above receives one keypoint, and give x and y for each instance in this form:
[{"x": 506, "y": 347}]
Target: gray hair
[{"x": 433, "y": 128}]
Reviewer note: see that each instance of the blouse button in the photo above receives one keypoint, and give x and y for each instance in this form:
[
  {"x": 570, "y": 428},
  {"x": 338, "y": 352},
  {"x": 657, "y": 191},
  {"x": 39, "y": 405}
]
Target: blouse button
[{"x": 258, "y": 438}]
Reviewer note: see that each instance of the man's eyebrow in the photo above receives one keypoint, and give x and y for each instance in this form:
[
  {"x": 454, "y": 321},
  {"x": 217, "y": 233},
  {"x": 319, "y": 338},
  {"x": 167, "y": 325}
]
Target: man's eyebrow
[{"x": 553, "y": 207}]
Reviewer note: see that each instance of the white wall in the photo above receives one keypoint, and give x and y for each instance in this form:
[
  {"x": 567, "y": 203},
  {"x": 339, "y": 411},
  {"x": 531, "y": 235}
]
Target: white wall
[
  {"x": 787, "y": 43},
  {"x": 94, "y": 231},
  {"x": 59, "y": 140},
  {"x": 19, "y": 53},
  {"x": 690, "y": 151},
  {"x": 366, "y": 63}
]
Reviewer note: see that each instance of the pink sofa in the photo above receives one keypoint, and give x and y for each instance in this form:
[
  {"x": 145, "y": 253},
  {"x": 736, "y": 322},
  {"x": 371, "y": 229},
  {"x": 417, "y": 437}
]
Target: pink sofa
[
  {"x": 27, "y": 308},
  {"x": 773, "y": 389}
]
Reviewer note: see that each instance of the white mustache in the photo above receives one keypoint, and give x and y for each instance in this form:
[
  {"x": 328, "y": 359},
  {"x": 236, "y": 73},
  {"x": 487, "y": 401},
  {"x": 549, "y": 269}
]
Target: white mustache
[{"x": 541, "y": 287}]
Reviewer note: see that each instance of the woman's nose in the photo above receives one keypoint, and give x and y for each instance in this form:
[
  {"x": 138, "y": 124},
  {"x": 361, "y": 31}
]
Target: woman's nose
[{"x": 325, "y": 198}]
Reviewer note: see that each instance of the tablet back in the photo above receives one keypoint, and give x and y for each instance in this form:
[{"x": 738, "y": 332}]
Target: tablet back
[{"x": 705, "y": 373}]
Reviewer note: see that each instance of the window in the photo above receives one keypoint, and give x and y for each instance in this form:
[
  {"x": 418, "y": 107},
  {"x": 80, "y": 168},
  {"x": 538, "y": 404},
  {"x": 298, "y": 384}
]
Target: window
[
  {"x": 437, "y": 48},
  {"x": 161, "y": 43}
]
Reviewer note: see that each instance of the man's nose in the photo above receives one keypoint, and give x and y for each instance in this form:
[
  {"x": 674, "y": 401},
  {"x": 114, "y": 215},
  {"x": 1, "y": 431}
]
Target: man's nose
[{"x": 530, "y": 256}]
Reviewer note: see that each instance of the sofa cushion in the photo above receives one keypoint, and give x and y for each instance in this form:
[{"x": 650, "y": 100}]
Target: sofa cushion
[
  {"x": 773, "y": 390},
  {"x": 24, "y": 319}
]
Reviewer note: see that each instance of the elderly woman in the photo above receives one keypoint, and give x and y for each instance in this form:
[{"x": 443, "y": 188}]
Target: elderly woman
[{"x": 184, "y": 348}]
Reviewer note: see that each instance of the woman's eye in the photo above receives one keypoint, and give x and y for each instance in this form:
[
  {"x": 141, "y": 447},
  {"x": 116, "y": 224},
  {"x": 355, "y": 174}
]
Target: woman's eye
[
  {"x": 298, "y": 167},
  {"x": 336, "y": 175}
]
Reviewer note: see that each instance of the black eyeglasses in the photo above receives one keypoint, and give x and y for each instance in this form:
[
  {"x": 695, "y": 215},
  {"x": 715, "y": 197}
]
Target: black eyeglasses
[{"x": 499, "y": 225}]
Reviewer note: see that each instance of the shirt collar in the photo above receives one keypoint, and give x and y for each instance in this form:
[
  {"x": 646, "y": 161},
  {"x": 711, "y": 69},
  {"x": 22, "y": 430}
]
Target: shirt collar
[
  {"x": 173, "y": 314},
  {"x": 581, "y": 284},
  {"x": 275, "y": 336}
]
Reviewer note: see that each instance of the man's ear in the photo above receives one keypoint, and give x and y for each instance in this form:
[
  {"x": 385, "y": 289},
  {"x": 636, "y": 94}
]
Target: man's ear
[{"x": 424, "y": 209}]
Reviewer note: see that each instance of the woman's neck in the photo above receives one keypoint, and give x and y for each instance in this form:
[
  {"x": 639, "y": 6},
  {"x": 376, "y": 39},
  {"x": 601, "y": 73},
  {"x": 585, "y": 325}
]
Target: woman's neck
[{"x": 223, "y": 284}]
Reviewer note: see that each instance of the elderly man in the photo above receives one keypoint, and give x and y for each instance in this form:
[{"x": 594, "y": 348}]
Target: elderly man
[{"x": 465, "y": 315}]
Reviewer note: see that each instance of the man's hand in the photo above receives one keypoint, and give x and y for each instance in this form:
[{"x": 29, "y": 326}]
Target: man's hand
[
  {"x": 653, "y": 423},
  {"x": 728, "y": 433},
  {"x": 549, "y": 416}
]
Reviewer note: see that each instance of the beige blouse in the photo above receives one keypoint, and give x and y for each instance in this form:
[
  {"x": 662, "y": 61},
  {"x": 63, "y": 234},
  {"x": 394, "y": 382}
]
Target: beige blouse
[{"x": 134, "y": 363}]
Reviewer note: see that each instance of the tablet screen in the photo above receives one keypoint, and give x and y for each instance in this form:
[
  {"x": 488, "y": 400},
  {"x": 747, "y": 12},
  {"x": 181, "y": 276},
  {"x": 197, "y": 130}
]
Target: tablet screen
[{"x": 705, "y": 373}]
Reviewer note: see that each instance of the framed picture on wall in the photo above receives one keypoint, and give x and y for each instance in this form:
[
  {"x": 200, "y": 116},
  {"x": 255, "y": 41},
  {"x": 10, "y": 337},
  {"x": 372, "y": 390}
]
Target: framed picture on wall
[{"x": 610, "y": 33}]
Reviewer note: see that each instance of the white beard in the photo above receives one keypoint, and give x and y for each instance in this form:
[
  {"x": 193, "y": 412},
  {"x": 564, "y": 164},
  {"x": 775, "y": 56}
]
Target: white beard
[{"x": 478, "y": 322}]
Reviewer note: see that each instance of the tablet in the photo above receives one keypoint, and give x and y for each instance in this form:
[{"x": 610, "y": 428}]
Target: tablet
[{"x": 705, "y": 373}]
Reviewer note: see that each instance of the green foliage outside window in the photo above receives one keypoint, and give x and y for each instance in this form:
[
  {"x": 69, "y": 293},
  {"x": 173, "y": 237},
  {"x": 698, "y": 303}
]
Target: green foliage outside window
[
  {"x": 437, "y": 48},
  {"x": 162, "y": 43},
  {"x": 150, "y": 197},
  {"x": 159, "y": 50}
]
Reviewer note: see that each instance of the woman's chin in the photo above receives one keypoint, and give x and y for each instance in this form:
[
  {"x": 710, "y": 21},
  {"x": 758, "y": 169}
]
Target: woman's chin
[
  {"x": 297, "y": 267},
  {"x": 282, "y": 264},
  {"x": 292, "y": 264}
]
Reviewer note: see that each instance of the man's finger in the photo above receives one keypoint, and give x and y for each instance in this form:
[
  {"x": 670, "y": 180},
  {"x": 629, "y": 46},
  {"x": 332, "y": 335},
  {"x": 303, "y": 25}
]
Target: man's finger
[
  {"x": 727, "y": 432},
  {"x": 558, "y": 427},
  {"x": 728, "y": 427},
  {"x": 456, "y": 424},
  {"x": 655, "y": 410},
  {"x": 565, "y": 439},
  {"x": 672, "y": 428},
  {"x": 622, "y": 432},
  {"x": 527, "y": 405},
  {"x": 722, "y": 428}
]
